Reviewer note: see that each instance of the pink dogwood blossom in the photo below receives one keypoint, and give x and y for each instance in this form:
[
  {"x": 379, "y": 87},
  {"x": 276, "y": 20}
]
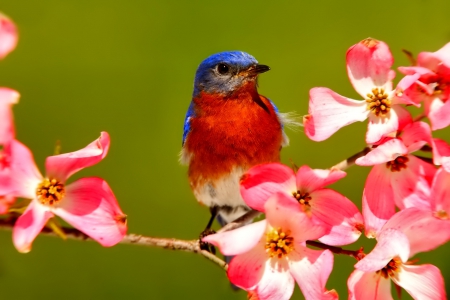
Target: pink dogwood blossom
[
  {"x": 271, "y": 254},
  {"x": 306, "y": 189},
  {"x": 8, "y": 36},
  {"x": 8, "y": 98},
  {"x": 88, "y": 204},
  {"x": 389, "y": 261},
  {"x": 369, "y": 68},
  {"x": 433, "y": 85},
  {"x": 397, "y": 177}
]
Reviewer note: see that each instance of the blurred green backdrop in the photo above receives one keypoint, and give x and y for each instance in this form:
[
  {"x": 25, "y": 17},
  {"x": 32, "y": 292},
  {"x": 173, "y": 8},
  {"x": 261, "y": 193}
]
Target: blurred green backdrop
[{"x": 127, "y": 67}]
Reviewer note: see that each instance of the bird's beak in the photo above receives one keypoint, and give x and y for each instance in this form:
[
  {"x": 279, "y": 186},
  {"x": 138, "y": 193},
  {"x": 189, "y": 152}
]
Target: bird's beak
[{"x": 257, "y": 69}]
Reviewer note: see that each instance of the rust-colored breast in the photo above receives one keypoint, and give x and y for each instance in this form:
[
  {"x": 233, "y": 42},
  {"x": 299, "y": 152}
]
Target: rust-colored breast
[{"x": 242, "y": 130}]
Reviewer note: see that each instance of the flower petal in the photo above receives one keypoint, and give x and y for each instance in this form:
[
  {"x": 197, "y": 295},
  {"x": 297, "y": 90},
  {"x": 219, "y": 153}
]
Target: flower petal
[
  {"x": 416, "y": 135},
  {"x": 311, "y": 269},
  {"x": 391, "y": 243},
  {"x": 240, "y": 240},
  {"x": 29, "y": 225},
  {"x": 8, "y": 36},
  {"x": 369, "y": 65},
  {"x": 8, "y": 97},
  {"x": 309, "y": 180},
  {"x": 338, "y": 214},
  {"x": 385, "y": 152},
  {"x": 423, "y": 282},
  {"x": 64, "y": 165},
  {"x": 329, "y": 111},
  {"x": 438, "y": 114},
  {"x": 91, "y": 207},
  {"x": 254, "y": 271},
  {"x": 399, "y": 95},
  {"x": 440, "y": 192},
  {"x": 378, "y": 204},
  {"x": 424, "y": 231},
  {"x": 263, "y": 181},
  {"x": 379, "y": 127},
  {"x": 441, "y": 153},
  {"x": 23, "y": 176},
  {"x": 283, "y": 211},
  {"x": 431, "y": 60},
  {"x": 368, "y": 286}
]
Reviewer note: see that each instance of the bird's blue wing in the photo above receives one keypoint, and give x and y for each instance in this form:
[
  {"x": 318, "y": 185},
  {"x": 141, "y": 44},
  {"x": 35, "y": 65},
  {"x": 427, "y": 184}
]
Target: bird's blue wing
[{"x": 187, "y": 125}]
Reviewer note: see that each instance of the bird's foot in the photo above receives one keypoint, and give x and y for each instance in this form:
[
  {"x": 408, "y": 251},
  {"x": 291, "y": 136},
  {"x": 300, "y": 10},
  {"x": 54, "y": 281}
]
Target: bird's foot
[{"x": 204, "y": 245}]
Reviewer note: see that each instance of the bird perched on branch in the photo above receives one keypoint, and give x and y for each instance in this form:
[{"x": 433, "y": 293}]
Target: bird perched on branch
[{"x": 228, "y": 128}]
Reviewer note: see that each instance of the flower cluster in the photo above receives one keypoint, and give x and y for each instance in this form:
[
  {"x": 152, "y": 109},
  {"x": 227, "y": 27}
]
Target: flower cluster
[
  {"x": 405, "y": 203},
  {"x": 88, "y": 204}
]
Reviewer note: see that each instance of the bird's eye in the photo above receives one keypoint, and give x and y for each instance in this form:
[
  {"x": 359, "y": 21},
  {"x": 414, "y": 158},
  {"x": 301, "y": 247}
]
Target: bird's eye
[{"x": 223, "y": 69}]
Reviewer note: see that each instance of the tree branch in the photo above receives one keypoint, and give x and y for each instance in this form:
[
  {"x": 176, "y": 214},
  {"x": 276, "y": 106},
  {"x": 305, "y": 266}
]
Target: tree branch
[
  {"x": 347, "y": 163},
  {"x": 136, "y": 239}
]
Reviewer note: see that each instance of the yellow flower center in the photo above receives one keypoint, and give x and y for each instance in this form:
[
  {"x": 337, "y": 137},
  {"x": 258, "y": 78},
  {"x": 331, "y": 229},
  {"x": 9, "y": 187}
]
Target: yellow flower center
[
  {"x": 279, "y": 242},
  {"x": 391, "y": 268},
  {"x": 50, "y": 191},
  {"x": 397, "y": 164},
  {"x": 378, "y": 102}
]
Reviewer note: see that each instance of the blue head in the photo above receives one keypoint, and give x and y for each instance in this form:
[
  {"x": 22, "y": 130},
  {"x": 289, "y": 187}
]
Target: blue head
[{"x": 225, "y": 72}]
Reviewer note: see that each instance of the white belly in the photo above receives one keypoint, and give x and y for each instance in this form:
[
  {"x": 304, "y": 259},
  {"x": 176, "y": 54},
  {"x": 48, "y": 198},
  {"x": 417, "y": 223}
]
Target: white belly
[{"x": 224, "y": 193}]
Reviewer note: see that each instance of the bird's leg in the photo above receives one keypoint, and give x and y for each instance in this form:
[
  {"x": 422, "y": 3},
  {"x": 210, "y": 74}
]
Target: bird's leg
[{"x": 204, "y": 245}]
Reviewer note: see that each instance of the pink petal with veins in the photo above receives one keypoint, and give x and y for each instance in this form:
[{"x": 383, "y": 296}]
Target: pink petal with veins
[
  {"x": 263, "y": 181},
  {"x": 311, "y": 269},
  {"x": 440, "y": 192},
  {"x": 400, "y": 97},
  {"x": 282, "y": 211},
  {"x": 388, "y": 151},
  {"x": 378, "y": 203},
  {"x": 309, "y": 180},
  {"x": 240, "y": 240},
  {"x": 29, "y": 225},
  {"x": 369, "y": 65},
  {"x": 8, "y": 36},
  {"x": 378, "y": 127},
  {"x": 423, "y": 282},
  {"x": 8, "y": 97},
  {"x": 339, "y": 215},
  {"x": 438, "y": 114},
  {"x": 23, "y": 176},
  {"x": 415, "y": 135},
  {"x": 254, "y": 271},
  {"x": 329, "y": 111},
  {"x": 91, "y": 207},
  {"x": 391, "y": 243},
  {"x": 424, "y": 231},
  {"x": 368, "y": 286},
  {"x": 64, "y": 165},
  {"x": 431, "y": 60}
]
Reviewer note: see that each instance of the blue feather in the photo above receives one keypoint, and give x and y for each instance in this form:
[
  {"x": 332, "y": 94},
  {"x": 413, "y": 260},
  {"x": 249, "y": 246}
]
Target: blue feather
[{"x": 187, "y": 125}]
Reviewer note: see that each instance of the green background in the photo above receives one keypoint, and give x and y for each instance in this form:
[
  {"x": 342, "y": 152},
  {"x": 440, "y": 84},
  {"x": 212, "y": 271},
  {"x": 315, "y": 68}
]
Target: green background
[{"x": 127, "y": 67}]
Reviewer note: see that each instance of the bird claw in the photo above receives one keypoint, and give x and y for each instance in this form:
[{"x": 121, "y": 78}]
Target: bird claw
[{"x": 205, "y": 245}]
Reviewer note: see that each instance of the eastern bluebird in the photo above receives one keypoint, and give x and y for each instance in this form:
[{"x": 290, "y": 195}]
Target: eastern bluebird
[{"x": 228, "y": 128}]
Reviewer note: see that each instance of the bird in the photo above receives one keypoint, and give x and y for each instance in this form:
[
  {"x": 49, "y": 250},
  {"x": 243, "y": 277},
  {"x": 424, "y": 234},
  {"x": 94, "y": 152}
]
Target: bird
[{"x": 229, "y": 127}]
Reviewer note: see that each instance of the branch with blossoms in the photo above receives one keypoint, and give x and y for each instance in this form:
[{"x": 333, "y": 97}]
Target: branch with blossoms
[{"x": 405, "y": 202}]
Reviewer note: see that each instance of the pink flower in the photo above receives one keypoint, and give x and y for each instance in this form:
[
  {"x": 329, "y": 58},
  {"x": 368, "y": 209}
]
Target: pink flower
[
  {"x": 433, "y": 85},
  {"x": 389, "y": 261},
  {"x": 397, "y": 177},
  {"x": 369, "y": 68},
  {"x": 87, "y": 204},
  {"x": 340, "y": 217},
  {"x": 8, "y": 36},
  {"x": 271, "y": 254},
  {"x": 8, "y": 97}
]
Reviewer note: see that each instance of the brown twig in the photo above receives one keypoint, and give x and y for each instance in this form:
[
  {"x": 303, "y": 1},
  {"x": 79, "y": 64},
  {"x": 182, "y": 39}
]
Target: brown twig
[
  {"x": 136, "y": 239},
  {"x": 357, "y": 254},
  {"x": 347, "y": 163}
]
